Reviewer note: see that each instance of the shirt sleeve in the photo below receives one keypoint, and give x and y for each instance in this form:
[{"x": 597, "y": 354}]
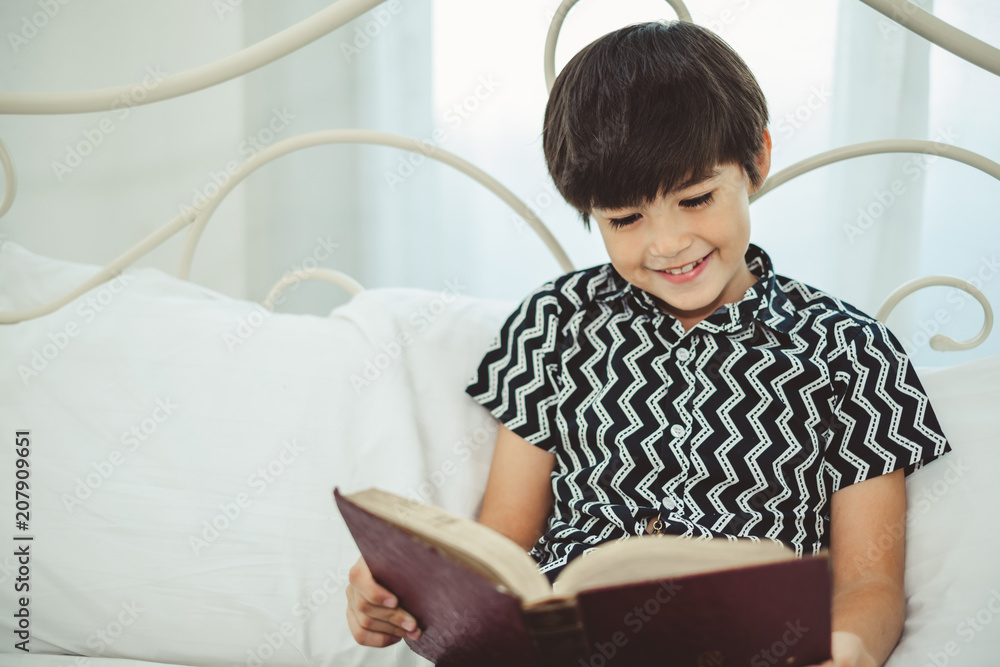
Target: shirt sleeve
[
  {"x": 883, "y": 420},
  {"x": 517, "y": 379}
]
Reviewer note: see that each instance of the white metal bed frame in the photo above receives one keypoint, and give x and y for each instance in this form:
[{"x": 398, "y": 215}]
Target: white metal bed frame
[{"x": 339, "y": 13}]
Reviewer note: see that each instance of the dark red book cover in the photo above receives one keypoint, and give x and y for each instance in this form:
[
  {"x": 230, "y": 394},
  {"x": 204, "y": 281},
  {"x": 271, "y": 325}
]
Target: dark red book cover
[
  {"x": 463, "y": 618},
  {"x": 757, "y": 616}
]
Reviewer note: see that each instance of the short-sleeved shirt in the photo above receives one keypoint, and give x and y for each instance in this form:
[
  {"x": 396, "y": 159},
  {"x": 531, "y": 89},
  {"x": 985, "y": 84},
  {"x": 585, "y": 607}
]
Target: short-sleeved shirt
[{"x": 742, "y": 427}]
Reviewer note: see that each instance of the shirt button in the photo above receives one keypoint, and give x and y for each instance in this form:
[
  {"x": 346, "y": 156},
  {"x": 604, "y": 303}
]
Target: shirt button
[
  {"x": 677, "y": 430},
  {"x": 669, "y": 504},
  {"x": 682, "y": 354}
]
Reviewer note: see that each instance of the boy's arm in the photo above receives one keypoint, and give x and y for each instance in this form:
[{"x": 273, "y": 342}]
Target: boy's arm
[
  {"x": 518, "y": 498},
  {"x": 867, "y": 539}
]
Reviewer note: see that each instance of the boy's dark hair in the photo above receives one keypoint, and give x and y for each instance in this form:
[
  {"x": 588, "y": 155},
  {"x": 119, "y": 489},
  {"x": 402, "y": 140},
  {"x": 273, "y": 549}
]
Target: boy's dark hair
[{"x": 649, "y": 109}]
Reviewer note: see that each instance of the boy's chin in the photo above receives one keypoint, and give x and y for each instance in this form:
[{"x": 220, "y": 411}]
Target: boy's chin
[{"x": 687, "y": 309}]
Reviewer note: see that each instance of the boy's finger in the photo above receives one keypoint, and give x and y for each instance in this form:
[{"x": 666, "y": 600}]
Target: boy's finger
[
  {"x": 397, "y": 618},
  {"x": 362, "y": 579},
  {"x": 367, "y": 637},
  {"x": 373, "y": 624}
]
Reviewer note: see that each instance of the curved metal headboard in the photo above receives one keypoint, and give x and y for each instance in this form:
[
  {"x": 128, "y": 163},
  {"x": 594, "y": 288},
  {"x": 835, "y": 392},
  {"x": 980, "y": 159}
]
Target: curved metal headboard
[
  {"x": 237, "y": 64},
  {"x": 198, "y": 78},
  {"x": 253, "y": 163},
  {"x": 945, "y": 35},
  {"x": 556, "y": 25},
  {"x": 937, "y": 342}
]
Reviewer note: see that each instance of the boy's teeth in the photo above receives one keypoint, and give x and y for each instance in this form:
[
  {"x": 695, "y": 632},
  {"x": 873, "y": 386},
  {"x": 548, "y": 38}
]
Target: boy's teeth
[{"x": 684, "y": 269}]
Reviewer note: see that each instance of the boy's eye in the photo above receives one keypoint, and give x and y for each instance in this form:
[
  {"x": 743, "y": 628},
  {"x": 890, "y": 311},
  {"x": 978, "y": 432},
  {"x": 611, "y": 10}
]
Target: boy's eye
[
  {"x": 695, "y": 202},
  {"x": 622, "y": 222}
]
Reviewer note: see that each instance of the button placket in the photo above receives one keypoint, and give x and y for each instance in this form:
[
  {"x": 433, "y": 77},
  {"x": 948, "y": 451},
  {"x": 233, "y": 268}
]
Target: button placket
[
  {"x": 676, "y": 430},
  {"x": 682, "y": 357}
]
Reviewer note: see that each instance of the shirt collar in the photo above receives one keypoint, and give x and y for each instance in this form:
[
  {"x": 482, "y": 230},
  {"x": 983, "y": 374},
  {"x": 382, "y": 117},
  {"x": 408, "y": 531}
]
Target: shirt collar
[{"x": 764, "y": 301}]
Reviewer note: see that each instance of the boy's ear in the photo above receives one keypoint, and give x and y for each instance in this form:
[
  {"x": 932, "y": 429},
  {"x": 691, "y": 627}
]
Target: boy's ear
[{"x": 763, "y": 162}]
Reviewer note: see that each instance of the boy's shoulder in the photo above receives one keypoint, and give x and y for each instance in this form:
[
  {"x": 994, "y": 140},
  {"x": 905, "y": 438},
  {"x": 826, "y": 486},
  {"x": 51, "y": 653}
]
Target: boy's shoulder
[
  {"x": 815, "y": 307},
  {"x": 815, "y": 316},
  {"x": 576, "y": 289}
]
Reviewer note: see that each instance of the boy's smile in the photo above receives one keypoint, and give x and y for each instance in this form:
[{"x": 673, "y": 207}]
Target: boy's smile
[
  {"x": 687, "y": 272},
  {"x": 686, "y": 248}
]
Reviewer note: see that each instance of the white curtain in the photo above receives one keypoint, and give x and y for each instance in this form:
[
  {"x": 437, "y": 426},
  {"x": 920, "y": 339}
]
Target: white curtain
[
  {"x": 373, "y": 74},
  {"x": 903, "y": 216}
]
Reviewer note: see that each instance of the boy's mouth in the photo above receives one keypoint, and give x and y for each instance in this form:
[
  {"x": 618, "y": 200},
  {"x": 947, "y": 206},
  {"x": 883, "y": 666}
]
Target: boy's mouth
[
  {"x": 687, "y": 267},
  {"x": 685, "y": 273}
]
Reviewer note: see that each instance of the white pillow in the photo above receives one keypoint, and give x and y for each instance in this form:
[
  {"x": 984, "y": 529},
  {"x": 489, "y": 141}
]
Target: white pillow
[
  {"x": 183, "y": 450},
  {"x": 952, "y": 538}
]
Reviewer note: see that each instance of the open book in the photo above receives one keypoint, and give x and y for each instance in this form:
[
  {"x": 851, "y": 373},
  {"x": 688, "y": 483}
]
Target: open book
[{"x": 480, "y": 600}]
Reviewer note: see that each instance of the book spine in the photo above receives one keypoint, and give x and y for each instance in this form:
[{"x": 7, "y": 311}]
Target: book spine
[{"x": 556, "y": 629}]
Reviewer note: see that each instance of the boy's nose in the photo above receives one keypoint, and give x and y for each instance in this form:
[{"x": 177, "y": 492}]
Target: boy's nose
[{"x": 668, "y": 241}]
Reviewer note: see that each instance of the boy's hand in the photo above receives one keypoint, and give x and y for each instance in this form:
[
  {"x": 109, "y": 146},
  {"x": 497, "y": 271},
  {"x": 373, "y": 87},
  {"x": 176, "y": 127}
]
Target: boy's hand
[
  {"x": 848, "y": 651},
  {"x": 373, "y": 613}
]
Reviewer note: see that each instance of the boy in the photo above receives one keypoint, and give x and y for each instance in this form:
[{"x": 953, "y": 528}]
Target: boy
[{"x": 684, "y": 388}]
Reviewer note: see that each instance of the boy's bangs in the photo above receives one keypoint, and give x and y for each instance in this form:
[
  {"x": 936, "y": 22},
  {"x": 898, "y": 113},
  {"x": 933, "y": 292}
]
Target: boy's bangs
[
  {"x": 629, "y": 180},
  {"x": 654, "y": 157}
]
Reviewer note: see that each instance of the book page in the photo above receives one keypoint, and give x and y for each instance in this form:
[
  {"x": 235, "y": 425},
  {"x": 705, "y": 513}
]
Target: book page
[
  {"x": 467, "y": 542},
  {"x": 644, "y": 558}
]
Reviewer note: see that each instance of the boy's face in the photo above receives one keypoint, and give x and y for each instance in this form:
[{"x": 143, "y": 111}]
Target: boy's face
[{"x": 688, "y": 247}]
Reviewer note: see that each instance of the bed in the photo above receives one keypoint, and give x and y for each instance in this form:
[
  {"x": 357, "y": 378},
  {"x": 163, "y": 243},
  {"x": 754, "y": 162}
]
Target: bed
[{"x": 175, "y": 449}]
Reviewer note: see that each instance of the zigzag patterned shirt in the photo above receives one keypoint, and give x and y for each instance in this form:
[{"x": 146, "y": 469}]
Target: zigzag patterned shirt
[{"x": 743, "y": 426}]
